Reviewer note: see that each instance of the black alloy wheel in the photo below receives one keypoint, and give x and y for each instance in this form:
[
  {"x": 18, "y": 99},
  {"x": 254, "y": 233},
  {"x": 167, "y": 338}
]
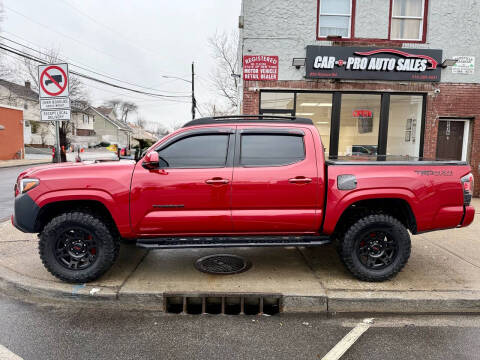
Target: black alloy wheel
[
  {"x": 76, "y": 249},
  {"x": 377, "y": 249}
]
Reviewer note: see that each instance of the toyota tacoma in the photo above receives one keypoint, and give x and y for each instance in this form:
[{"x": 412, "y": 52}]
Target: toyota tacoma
[{"x": 240, "y": 181}]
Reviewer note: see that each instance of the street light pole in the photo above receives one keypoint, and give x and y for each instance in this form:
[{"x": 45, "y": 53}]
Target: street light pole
[{"x": 193, "y": 92}]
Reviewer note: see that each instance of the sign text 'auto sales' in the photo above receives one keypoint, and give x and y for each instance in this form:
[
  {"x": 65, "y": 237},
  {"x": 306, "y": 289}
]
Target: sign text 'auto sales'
[{"x": 373, "y": 63}]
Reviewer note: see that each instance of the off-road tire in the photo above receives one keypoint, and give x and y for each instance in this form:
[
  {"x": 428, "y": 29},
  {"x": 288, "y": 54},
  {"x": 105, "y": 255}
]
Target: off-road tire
[
  {"x": 354, "y": 234},
  {"x": 107, "y": 249}
]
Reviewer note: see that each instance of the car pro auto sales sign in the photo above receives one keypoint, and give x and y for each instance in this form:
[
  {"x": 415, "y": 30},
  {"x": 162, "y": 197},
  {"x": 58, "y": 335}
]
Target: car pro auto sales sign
[
  {"x": 260, "y": 67},
  {"x": 366, "y": 63}
]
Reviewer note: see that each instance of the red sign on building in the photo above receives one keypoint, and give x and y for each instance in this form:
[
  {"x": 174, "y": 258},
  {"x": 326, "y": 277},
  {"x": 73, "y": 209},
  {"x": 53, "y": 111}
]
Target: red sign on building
[{"x": 260, "y": 67}]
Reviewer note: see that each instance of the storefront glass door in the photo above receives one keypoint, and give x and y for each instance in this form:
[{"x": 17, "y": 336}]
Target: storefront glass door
[{"x": 359, "y": 124}]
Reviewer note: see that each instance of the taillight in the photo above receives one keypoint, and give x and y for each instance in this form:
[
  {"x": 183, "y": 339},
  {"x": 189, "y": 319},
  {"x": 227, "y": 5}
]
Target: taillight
[{"x": 467, "y": 184}]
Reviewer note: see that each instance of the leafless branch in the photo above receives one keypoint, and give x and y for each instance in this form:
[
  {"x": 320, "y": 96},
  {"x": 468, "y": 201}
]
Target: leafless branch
[{"x": 224, "y": 51}]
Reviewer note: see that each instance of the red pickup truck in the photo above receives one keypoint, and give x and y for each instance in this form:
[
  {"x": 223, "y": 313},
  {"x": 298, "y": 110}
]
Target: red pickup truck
[{"x": 239, "y": 181}]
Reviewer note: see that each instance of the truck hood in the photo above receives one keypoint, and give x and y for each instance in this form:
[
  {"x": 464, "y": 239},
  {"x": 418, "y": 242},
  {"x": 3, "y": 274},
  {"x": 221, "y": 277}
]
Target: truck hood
[
  {"x": 68, "y": 167},
  {"x": 113, "y": 177}
]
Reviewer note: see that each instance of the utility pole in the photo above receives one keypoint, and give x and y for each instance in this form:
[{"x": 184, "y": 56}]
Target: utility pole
[{"x": 194, "y": 103}]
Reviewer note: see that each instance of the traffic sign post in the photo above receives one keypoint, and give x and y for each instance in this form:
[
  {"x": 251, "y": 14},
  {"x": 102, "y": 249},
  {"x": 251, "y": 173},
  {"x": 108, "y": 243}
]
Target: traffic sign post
[{"x": 54, "y": 97}]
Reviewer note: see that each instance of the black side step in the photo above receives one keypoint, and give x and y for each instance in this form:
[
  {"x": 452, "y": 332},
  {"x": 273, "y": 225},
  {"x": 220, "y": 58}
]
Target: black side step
[{"x": 230, "y": 241}]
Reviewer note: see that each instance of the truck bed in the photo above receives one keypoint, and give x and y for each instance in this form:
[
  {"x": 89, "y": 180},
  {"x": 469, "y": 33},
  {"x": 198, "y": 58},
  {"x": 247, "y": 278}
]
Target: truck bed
[{"x": 432, "y": 189}]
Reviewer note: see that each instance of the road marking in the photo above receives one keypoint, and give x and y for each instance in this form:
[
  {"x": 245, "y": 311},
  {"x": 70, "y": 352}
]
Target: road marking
[
  {"x": 348, "y": 340},
  {"x": 6, "y": 354}
]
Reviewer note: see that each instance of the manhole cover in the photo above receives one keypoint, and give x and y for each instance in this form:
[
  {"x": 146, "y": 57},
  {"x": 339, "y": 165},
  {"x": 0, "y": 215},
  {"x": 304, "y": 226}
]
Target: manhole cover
[{"x": 222, "y": 264}]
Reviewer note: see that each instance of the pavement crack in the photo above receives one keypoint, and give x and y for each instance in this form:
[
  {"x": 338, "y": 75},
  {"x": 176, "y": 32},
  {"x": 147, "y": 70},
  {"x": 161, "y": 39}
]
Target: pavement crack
[
  {"x": 452, "y": 253},
  {"x": 131, "y": 273},
  {"x": 311, "y": 268}
]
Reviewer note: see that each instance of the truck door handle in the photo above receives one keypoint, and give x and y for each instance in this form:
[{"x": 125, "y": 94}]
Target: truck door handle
[
  {"x": 217, "y": 181},
  {"x": 300, "y": 180}
]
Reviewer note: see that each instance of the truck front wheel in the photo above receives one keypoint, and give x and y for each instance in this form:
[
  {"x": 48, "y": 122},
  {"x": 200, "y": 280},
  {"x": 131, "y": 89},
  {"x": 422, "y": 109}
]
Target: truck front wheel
[
  {"x": 77, "y": 247},
  {"x": 375, "y": 248}
]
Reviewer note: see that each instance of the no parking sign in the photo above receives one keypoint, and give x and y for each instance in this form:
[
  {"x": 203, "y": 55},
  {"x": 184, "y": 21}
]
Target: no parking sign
[{"x": 54, "y": 91}]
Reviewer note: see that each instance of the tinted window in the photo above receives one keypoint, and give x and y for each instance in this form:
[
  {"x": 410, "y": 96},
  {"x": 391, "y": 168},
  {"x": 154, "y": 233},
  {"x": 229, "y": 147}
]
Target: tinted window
[
  {"x": 197, "y": 151},
  {"x": 271, "y": 150}
]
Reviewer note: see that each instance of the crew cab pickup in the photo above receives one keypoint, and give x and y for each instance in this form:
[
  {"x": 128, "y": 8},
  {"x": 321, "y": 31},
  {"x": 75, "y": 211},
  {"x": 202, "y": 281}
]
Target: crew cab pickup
[{"x": 239, "y": 181}]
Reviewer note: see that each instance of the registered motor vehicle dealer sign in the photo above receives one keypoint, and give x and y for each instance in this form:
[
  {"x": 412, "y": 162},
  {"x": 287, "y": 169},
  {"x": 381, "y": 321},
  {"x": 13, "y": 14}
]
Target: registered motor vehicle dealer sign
[{"x": 54, "y": 92}]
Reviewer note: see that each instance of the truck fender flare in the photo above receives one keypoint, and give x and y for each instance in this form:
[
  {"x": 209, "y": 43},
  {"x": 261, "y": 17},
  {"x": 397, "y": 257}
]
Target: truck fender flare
[
  {"x": 336, "y": 208},
  {"x": 80, "y": 194}
]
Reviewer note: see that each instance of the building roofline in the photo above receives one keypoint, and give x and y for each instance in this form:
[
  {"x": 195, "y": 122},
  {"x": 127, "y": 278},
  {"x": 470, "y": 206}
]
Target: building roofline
[{"x": 114, "y": 122}]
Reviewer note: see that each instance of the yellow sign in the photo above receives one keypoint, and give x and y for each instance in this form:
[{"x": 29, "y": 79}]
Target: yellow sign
[{"x": 113, "y": 148}]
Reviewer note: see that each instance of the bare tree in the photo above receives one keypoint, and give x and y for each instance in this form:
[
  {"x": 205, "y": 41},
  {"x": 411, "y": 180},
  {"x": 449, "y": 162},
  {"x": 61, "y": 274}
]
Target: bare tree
[
  {"x": 5, "y": 70},
  {"x": 215, "y": 109},
  {"x": 224, "y": 50},
  {"x": 121, "y": 108},
  {"x": 161, "y": 131},
  {"x": 141, "y": 122},
  {"x": 29, "y": 69}
]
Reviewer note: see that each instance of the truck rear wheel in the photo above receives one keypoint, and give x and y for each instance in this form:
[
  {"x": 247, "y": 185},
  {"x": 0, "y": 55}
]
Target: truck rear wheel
[
  {"x": 375, "y": 248},
  {"x": 77, "y": 247}
]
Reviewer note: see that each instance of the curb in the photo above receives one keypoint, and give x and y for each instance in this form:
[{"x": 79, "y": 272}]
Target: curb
[
  {"x": 412, "y": 302},
  {"x": 28, "y": 289},
  {"x": 4, "y": 166}
]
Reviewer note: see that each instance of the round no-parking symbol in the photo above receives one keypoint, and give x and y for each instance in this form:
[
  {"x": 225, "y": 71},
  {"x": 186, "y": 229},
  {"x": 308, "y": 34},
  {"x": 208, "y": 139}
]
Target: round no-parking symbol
[{"x": 53, "y": 80}]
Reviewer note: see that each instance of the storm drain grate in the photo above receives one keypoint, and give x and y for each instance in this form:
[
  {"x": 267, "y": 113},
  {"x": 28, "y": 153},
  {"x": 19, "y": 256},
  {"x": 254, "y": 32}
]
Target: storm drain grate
[
  {"x": 222, "y": 264},
  {"x": 228, "y": 305}
]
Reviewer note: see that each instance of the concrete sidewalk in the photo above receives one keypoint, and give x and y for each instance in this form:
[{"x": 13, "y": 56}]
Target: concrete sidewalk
[
  {"x": 24, "y": 162},
  {"x": 442, "y": 276}
]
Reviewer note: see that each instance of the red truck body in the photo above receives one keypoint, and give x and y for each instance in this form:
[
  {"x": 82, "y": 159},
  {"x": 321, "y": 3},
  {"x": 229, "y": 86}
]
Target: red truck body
[{"x": 300, "y": 198}]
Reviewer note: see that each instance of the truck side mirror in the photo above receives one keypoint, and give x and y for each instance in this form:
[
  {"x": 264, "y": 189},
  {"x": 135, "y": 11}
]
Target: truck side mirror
[{"x": 151, "y": 161}]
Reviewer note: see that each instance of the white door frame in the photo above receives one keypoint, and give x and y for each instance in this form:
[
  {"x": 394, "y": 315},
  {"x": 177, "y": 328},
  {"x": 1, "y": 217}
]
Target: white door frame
[{"x": 466, "y": 133}]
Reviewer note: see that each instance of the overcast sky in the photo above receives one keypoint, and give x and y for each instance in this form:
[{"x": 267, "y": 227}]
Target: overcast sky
[{"x": 135, "y": 41}]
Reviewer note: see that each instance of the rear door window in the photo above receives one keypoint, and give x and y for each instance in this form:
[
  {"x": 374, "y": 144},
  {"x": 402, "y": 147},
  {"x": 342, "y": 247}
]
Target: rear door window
[{"x": 271, "y": 149}]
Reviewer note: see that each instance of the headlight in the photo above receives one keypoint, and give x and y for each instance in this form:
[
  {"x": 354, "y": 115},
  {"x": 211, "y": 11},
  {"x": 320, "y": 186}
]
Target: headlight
[{"x": 27, "y": 184}]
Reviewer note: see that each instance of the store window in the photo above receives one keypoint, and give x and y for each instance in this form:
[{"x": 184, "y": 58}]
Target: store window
[
  {"x": 357, "y": 118},
  {"x": 318, "y": 107},
  {"x": 277, "y": 101},
  {"x": 335, "y": 18},
  {"x": 404, "y": 125},
  {"x": 407, "y": 20},
  {"x": 359, "y": 124}
]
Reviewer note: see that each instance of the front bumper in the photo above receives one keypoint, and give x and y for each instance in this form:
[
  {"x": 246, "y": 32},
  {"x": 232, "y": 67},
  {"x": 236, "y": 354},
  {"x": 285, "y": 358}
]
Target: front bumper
[{"x": 25, "y": 213}]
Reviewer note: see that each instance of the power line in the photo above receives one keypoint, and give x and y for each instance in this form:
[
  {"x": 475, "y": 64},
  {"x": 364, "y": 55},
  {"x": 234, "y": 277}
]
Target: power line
[
  {"x": 106, "y": 27},
  {"x": 81, "y": 42},
  {"x": 33, "y": 58},
  {"x": 174, "y": 78},
  {"x": 139, "y": 99},
  {"x": 87, "y": 69},
  {"x": 61, "y": 34}
]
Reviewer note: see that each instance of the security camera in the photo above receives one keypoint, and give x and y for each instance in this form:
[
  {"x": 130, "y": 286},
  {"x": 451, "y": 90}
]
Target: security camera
[{"x": 436, "y": 91}]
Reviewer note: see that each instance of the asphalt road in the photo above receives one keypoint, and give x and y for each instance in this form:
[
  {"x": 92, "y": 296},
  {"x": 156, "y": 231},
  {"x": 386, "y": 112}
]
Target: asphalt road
[
  {"x": 38, "y": 332},
  {"x": 7, "y": 181}
]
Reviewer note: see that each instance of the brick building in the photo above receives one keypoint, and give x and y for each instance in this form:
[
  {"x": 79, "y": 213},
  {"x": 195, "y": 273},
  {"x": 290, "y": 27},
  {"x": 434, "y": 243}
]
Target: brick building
[
  {"x": 377, "y": 77},
  {"x": 11, "y": 133}
]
